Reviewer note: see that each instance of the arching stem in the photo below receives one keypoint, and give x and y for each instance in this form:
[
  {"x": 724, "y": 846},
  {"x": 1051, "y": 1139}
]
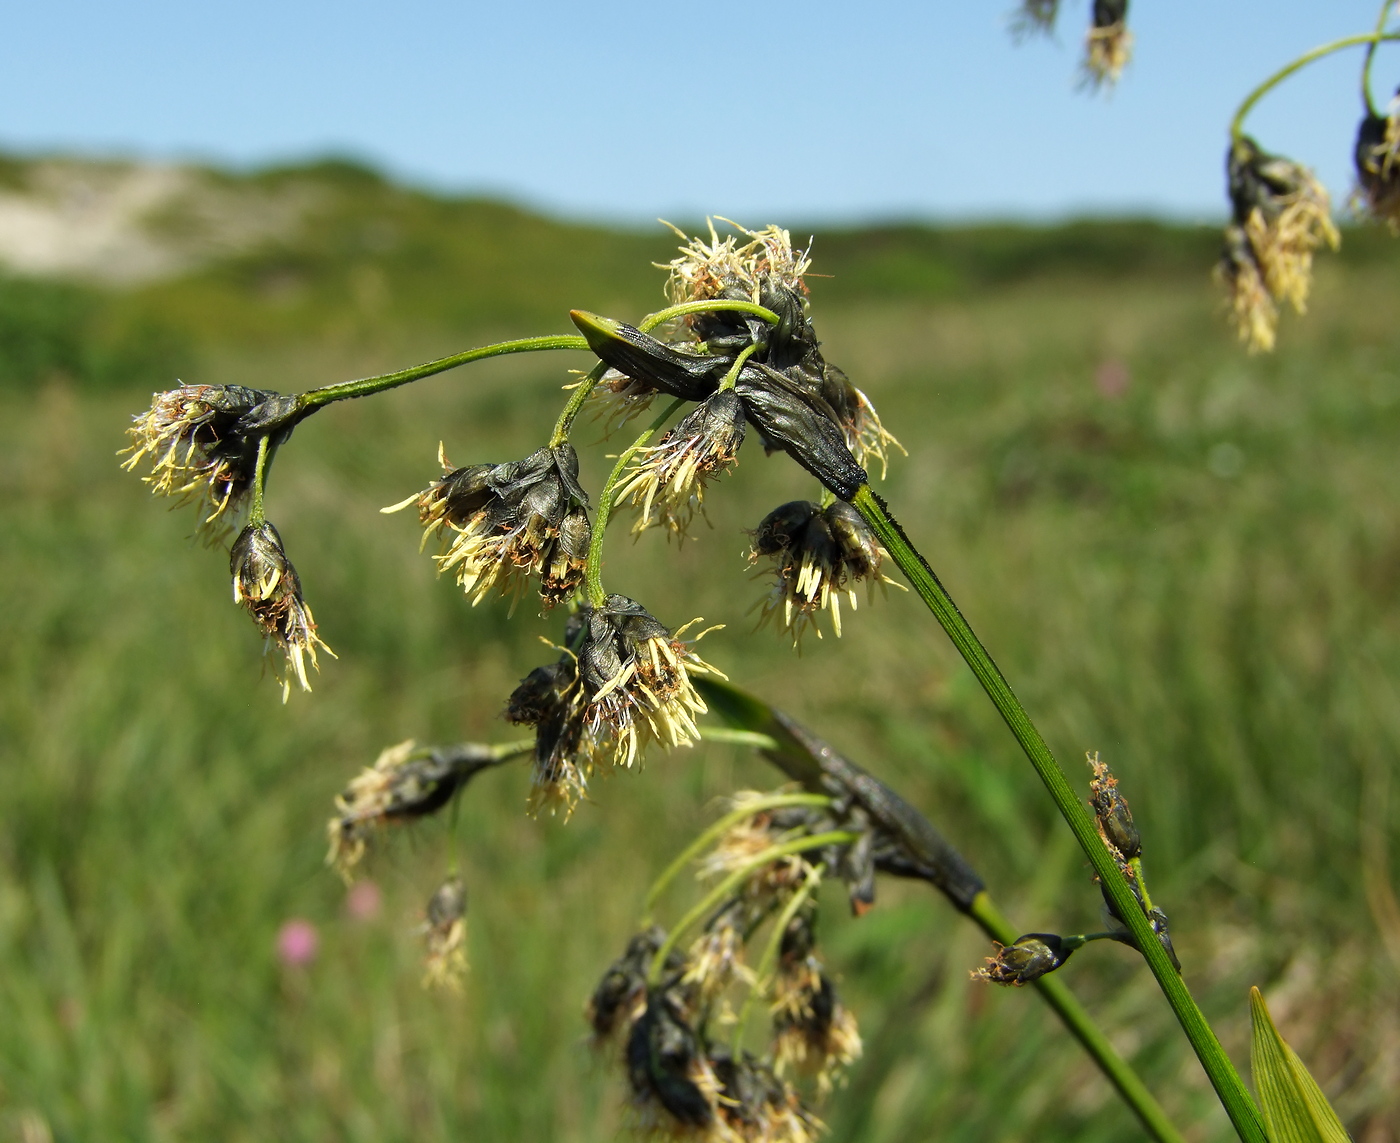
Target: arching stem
[
  {"x": 770, "y": 953},
  {"x": 717, "y": 830},
  {"x": 593, "y": 574},
  {"x": 725, "y": 888},
  {"x": 315, "y": 398},
  {"x": 1381, "y": 17},
  {"x": 1372, "y": 38}
]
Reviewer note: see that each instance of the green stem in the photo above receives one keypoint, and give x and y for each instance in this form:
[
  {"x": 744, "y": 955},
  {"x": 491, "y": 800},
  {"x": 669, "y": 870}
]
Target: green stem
[
  {"x": 724, "y": 734},
  {"x": 717, "y": 830},
  {"x": 575, "y": 403},
  {"x": 711, "y": 306},
  {"x": 726, "y": 887},
  {"x": 1381, "y": 18},
  {"x": 770, "y": 954},
  {"x": 1081, "y": 1025},
  {"x": 731, "y": 377},
  {"x": 1135, "y": 864},
  {"x": 315, "y": 398},
  {"x": 256, "y": 516},
  {"x": 593, "y": 574},
  {"x": 1228, "y": 1086},
  {"x": 1372, "y": 38}
]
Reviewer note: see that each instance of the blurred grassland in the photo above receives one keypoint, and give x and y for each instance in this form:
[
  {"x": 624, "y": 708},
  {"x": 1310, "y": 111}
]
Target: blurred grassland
[{"x": 1184, "y": 558}]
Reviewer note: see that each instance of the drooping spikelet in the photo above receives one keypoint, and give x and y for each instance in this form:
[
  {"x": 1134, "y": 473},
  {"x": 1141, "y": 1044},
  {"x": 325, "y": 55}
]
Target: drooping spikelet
[
  {"x": 1281, "y": 214},
  {"x": 445, "y": 937},
  {"x": 267, "y": 586},
  {"x": 1109, "y": 45},
  {"x": 812, "y": 1030},
  {"x": 406, "y": 783},
  {"x": 1377, "y": 159}
]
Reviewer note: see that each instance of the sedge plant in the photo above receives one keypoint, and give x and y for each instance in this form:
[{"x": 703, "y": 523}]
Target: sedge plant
[{"x": 733, "y": 357}]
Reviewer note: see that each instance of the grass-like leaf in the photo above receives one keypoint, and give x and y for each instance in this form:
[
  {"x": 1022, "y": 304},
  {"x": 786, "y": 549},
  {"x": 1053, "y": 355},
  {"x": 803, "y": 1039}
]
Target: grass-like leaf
[{"x": 1295, "y": 1110}]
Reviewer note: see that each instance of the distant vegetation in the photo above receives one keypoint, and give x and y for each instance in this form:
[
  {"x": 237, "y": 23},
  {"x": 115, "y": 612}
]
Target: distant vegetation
[
  {"x": 366, "y": 257},
  {"x": 1185, "y": 558}
]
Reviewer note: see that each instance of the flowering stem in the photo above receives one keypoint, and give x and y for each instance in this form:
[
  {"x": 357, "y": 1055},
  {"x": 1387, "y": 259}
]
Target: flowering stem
[
  {"x": 770, "y": 953},
  {"x": 717, "y": 830},
  {"x": 593, "y": 575},
  {"x": 315, "y": 398},
  {"x": 256, "y": 515},
  {"x": 1381, "y": 18},
  {"x": 1228, "y": 1086},
  {"x": 726, "y": 887},
  {"x": 1372, "y": 38},
  {"x": 574, "y": 404}
]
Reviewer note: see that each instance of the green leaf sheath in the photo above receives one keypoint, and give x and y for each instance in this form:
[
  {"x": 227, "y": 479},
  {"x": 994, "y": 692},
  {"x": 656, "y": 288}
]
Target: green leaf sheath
[{"x": 1226, "y": 1080}]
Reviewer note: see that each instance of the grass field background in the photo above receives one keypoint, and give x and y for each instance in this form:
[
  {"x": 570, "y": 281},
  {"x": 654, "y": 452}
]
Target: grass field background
[{"x": 1182, "y": 557}]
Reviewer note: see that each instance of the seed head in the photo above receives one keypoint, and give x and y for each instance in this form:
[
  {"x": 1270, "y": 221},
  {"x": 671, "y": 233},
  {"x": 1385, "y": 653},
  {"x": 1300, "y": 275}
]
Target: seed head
[
  {"x": 749, "y": 838},
  {"x": 1377, "y": 158},
  {"x": 445, "y": 936},
  {"x": 551, "y": 700},
  {"x": 505, "y": 524},
  {"x": 197, "y": 451},
  {"x": 404, "y": 784},
  {"x": 667, "y": 481},
  {"x": 757, "y": 1105},
  {"x": 622, "y": 681},
  {"x": 1285, "y": 214},
  {"x": 716, "y": 957},
  {"x": 1252, "y": 309},
  {"x": 674, "y": 1087},
  {"x": 265, "y": 583},
  {"x": 636, "y": 678},
  {"x": 1028, "y": 959},
  {"x": 620, "y": 998},
  {"x": 812, "y": 1030},
  {"x": 818, "y": 555},
  {"x": 725, "y": 268},
  {"x": 1115, "y": 820},
  {"x": 1109, "y": 46}
]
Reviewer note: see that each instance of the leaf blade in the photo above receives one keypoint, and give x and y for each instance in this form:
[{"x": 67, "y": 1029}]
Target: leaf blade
[{"x": 1295, "y": 1109}]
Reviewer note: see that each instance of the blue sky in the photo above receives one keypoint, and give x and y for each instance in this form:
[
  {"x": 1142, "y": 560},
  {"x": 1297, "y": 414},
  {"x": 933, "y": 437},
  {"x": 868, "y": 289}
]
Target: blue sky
[{"x": 793, "y": 111}]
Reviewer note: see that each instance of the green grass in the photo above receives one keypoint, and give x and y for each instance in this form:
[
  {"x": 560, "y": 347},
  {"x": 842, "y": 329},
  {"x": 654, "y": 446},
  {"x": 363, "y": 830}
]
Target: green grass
[{"x": 1198, "y": 578}]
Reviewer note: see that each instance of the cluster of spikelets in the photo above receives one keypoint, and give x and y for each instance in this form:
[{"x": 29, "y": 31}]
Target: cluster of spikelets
[
  {"x": 1108, "y": 45},
  {"x": 202, "y": 444},
  {"x": 658, "y": 1006},
  {"x": 406, "y": 784},
  {"x": 1032, "y": 956},
  {"x": 817, "y": 556},
  {"x": 1280, "y": 214},
  {"x": 504, "y": 525},
  {"x": 504, "y": 528},
  {"x": 622, "y": 681}
]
